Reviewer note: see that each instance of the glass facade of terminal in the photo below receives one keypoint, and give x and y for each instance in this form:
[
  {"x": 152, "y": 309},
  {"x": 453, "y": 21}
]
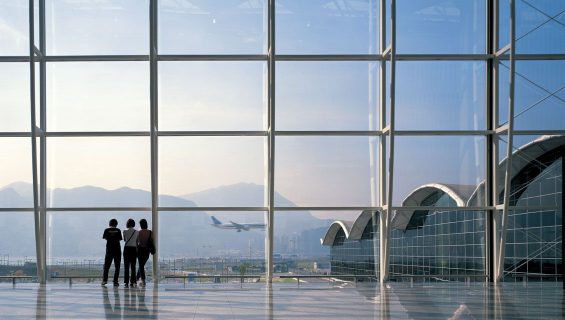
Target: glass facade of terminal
[{"x": 285, "y": 115}]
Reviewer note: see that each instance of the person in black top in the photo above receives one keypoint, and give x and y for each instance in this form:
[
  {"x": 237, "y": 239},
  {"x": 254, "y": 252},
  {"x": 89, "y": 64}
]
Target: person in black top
[{"x": 113, "y": 236}]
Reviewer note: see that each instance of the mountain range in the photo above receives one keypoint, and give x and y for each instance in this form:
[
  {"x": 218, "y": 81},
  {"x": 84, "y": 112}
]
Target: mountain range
[{"x": 182, "y": 233}]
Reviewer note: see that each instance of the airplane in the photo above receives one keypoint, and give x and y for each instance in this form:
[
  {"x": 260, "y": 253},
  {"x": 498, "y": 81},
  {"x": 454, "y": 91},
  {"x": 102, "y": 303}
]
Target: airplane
[{"x": 238, "y": 226}]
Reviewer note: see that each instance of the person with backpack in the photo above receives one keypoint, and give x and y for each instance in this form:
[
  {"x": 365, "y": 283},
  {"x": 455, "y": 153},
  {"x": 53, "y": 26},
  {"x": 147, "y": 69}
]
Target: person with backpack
[{"x": 145, "y": 246}]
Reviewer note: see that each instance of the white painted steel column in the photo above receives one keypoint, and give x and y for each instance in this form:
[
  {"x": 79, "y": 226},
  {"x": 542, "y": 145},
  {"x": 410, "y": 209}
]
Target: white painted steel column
[
  {"x": 509, "y": 148},
  {"x": 153, "y": 52},
  {"x": 382, "y": 142},
  {"x": 271, "y": 137},
  {"x": 36, "y": 209},
  {"x": 42, "y": 258}
]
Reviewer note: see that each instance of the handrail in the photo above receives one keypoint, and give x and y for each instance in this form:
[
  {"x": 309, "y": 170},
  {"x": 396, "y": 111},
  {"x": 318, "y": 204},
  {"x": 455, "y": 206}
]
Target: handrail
[{"x": 16, "y": 277}]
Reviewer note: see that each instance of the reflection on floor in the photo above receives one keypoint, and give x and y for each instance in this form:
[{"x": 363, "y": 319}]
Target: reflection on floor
[{"x": 284, "y": 301}]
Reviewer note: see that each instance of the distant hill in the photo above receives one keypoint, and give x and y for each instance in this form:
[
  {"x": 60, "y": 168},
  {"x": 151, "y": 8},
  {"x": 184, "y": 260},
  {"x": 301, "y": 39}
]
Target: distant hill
[{"x": 182, "y": 234}]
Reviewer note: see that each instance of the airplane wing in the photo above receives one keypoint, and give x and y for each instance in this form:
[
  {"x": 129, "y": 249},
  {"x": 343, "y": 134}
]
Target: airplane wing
[{"x": 240, "y": 226}]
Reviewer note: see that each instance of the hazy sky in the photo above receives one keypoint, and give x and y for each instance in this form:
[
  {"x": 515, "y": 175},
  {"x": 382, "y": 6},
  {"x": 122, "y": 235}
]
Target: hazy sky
[{"x": 311, "y": 171}]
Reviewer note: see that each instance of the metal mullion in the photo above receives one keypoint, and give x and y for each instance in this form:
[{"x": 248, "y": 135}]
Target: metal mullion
[
  {"x": 212, "y": 133},
  {"x": 15, "y": 58},
  {"x": 538, "y": 132},
  {"x": 88, "y": 209},
  {"x": 360, "y": 133},
  {"x": 98, "y": 134},
  {"x": 443, "y": 132},
  {"x": 439, "y": 208},
  {"x": 32, "y": 135},
  {"x": 30, "y": 210},
  {"x": 222, "y": 57},
  {"x": 345, "y": 208},
  {"x": 525, "y": 56},
  {"x": 153, "y": 93},
  {"x": 382, "y": 139},
  {"x": 329, "y": 57},
  {"x": 262, "y": 209},
  {"x": 271, "y": 140},
  {"x": 443, "y": 57},
  {"x": 42, "y": 187},
  {"x": 491, "y": 114},
  {"x": 391, "y": 131},
  {"x": 15, "y": 134},
  {"x": 94, "y": 58},
  {"x": 509, "y": 149}
]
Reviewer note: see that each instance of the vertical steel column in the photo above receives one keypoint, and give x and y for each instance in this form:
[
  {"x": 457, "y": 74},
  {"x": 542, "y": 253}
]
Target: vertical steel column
[
  {"x": 42, "y": 262},
  {"x": 271, "y": 136},
  {"x": 153, "y": 52},
  {"x": 36, "y": 211},
  {"x": 509, "y": 148},
  {"x": 382, "y": 142},
  {"x": 492, "y": 140},
  {"x": 390, "y": 187}
]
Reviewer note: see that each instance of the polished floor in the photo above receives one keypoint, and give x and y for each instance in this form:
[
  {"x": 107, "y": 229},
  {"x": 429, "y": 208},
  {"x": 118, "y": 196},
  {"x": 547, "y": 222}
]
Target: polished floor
[{"x": 284, "y": 301}]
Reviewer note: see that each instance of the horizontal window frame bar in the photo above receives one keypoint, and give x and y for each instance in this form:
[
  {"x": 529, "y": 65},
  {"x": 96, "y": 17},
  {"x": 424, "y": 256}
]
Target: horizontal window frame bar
[
  {"x": 15, "y": 134},
  {"x": 95, "y": 209},
  {"x": 14, "y": 59},
  {"x": 30, "y": 210},
  {"x": 477, "y": 208},
  {"x": 218, "y": 57},
  {"x": 288, "y": 57},
  {"x": 443, "y": 132},
  {"x": 501, "y": 131},
  {"x": 214, "y": 209},
  {"x": 328, "y": 133},
  {"x": 95, "y": 58},
  {"x": 327, "y": 208},
  {"x": 212, "y": 133},
  {"x": 70, "y": 134}
]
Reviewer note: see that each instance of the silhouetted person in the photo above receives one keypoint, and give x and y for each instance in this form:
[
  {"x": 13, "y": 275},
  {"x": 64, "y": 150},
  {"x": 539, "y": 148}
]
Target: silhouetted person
[
  {"x": 144, "y": 246},
  {"x": 130, "y": 253},
  {"x": 113, "y": 236}
]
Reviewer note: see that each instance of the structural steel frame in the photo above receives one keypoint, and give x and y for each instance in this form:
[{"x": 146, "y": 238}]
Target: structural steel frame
[{"x": 382, "y": 177}]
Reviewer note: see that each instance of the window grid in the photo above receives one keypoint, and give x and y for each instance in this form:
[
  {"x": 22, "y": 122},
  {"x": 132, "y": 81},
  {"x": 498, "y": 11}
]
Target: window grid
[{"x": 387, "y": 53}]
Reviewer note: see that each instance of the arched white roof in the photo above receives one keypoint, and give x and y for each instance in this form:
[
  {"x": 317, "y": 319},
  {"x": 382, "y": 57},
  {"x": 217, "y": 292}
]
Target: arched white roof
[
  {"x": 401, "y": 218},
  {"x": 334, "y": 228},
  {"x": 520, "y": 159},
  {"x": 360, "y": 224}
]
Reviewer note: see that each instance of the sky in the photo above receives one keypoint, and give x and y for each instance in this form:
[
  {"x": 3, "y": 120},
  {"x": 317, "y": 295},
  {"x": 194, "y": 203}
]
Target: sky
[{"x": 310, "y": 171}]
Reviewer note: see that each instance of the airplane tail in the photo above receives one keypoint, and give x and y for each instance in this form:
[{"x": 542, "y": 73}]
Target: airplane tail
[{"x": 216, "y": 221}]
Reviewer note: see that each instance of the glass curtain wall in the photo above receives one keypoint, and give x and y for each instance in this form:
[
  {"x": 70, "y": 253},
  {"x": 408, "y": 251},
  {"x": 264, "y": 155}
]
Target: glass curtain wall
[{"x": 240, "y": 129}]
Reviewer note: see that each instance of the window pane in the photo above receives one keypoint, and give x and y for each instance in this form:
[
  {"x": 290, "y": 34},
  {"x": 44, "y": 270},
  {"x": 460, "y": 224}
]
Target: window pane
[
  {"x": 536, "y": 31},
  {"x": 98, "y": 96},
  {"x": 212, "y": 96},
  {"x": 230, "y": 247},
  {"x": 539, "y": 96},
  {"x": 327, "y": 95},
  {"x": 440, "y": 95},
  {"x": 213, "y": 27},
  {"x": 75, "y": 245},
  {"x": 16, "y": 189},
  {"x": 458, "y": 162},
  {"x": 97, "y": 27},
  {"x": 325, "y": 171},
  {"x": 212, "y": 171},
  {"x": 18, "y": 257},
  {"x": 444, "y": 243},
  {"x": 14, "y": 97},
  {"x": 441, "y": 27},
  {"x": 98, "y": 172},
  {"x": 321, "y": 27},
  {"x": 14, "y": 28}
]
